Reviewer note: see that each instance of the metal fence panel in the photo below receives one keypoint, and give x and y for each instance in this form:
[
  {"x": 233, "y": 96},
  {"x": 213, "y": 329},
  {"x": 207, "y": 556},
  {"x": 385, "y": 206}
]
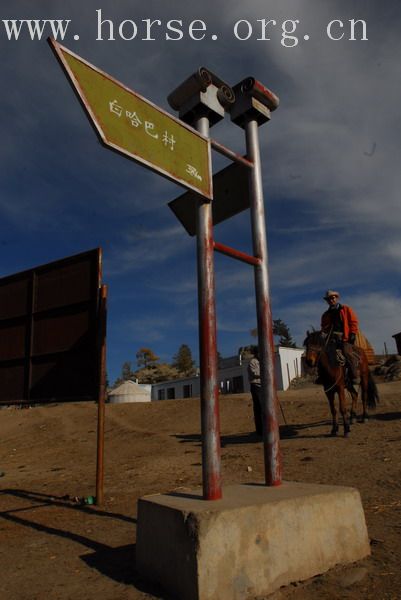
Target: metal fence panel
[{"x": 49, "y": 331}]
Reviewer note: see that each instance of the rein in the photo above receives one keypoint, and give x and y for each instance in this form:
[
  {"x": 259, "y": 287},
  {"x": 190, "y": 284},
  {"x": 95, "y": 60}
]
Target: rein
[
  {"x": 334, "y": 384},
  {"x": 328, "y": 337}
]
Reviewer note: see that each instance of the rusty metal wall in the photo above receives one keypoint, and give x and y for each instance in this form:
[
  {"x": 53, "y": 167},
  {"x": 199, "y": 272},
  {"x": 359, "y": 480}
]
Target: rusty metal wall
[{"x": 49, "y": 331}]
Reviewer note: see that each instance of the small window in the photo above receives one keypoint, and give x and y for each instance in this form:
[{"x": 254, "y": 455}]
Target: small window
[
  {"x": 170, "y": 393},
  {"x": 238, "y": 385},
  {"x": 161, "y": 395},
  {"x": 187, "y": 391}
]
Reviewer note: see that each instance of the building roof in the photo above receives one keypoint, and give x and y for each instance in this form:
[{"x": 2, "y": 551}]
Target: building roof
[{"x": 132, "y": 390}]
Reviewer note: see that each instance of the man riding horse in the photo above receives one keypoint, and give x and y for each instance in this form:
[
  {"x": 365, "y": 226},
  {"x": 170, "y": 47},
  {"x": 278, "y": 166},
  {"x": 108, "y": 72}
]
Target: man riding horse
[{"x": 340, "y": 323}]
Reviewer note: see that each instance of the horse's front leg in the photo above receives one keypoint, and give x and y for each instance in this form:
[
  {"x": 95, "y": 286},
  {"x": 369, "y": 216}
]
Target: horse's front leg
[
  {"x": 343, "y": 410},
  {"x": 334, "y": 427}
]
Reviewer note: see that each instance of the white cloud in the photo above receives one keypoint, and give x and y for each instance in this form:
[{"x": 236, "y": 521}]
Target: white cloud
[
  {"x": 144, "y": 248},
  {"x": 380, "y": 317}
]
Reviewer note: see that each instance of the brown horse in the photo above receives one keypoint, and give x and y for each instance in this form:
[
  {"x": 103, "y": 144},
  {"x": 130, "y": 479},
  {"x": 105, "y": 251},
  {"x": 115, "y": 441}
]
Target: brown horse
[{"x": 321, "y": 352}]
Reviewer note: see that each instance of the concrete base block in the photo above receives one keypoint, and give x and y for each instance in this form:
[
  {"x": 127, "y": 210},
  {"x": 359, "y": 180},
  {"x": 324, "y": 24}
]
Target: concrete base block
[{"x": 251, "y": 542}]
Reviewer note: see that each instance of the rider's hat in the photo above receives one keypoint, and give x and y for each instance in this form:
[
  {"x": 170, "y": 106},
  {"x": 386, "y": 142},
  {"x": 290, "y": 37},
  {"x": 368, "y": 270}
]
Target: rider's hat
[{"x": 330, "y": 293}]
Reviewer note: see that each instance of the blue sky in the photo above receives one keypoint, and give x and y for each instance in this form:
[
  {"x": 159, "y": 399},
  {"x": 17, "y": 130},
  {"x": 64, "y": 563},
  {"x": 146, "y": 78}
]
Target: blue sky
[{"x": 330, "y": 155}]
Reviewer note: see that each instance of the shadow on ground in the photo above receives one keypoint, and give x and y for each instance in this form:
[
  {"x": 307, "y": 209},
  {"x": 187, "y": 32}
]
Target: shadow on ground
[
  {"x": 286, "y": 432},
  {"x": 60, "y": 501},
  {"x": 390, "y": 416},
  {"x": 116, "y": 563}
]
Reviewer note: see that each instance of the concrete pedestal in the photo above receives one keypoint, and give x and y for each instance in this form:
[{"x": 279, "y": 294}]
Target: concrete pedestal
[{"x": 251, "y": 542}]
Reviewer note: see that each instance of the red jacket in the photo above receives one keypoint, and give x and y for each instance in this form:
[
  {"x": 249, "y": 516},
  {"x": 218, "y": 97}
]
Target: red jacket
[{"x": 348, "y": 318}]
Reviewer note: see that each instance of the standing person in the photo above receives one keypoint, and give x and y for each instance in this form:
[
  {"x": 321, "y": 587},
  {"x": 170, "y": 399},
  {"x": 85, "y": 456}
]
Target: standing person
[
  {"x": 340, "y": 322},
  {"x": 254, "y": 380}
]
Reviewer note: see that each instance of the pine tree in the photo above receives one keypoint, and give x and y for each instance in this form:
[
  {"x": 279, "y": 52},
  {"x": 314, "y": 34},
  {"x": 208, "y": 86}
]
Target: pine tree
[
  {"x": 126, "y": 371},
  {"x": 126, "y": 374},
  {"x": 183, "y": 361},
  {"x": 281, "y": 330}
]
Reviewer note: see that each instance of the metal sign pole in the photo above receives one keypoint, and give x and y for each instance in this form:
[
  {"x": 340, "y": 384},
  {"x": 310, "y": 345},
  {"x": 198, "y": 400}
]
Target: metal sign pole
[
  {"x": 101, "y": 397},
  {"x": 201, "y": 101},
  {"x": 210, "y": 420},
  {"x": 264, "y": 318}
]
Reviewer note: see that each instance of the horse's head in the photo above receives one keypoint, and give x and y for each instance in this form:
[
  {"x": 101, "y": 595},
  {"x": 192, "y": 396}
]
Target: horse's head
[{"x": 313, "y": 343}]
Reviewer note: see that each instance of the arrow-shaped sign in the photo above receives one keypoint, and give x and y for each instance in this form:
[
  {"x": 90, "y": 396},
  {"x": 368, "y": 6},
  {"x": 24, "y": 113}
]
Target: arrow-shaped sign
[{"x": 133, "y": 126}]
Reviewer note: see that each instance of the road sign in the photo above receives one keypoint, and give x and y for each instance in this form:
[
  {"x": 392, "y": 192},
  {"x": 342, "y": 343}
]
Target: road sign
[
  {"x": 230, "y": 197},
  {"x": 133, "y": 126}
]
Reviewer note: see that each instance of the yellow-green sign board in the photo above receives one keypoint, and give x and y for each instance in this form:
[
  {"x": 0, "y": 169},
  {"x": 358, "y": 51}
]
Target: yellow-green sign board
[{"x": 137, "y": 128}]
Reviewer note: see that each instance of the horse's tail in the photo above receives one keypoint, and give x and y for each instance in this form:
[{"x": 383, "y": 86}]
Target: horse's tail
[{"x": 373, "y": 394}]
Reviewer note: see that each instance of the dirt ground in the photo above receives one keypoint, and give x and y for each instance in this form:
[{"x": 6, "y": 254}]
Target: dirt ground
[{"x": 51, "y": 547}]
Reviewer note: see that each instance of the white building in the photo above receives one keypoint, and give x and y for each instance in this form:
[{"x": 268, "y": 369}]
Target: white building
[
  {"x": 130, "y": 391},
  {"x": 233, "y": 376}
]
